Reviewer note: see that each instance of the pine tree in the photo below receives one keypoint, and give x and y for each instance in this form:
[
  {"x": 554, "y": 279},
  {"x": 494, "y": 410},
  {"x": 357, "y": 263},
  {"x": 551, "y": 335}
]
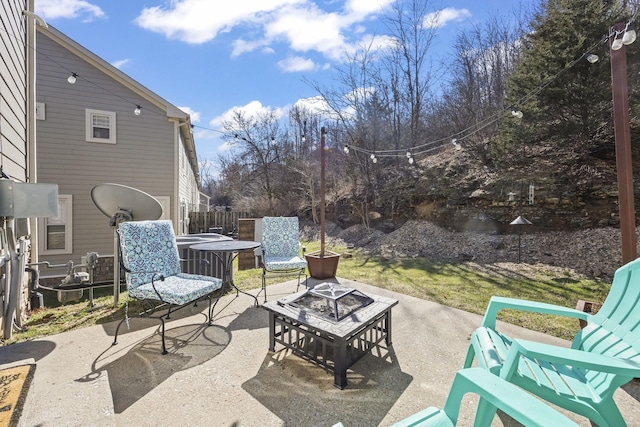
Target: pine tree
[{"x": 565, "y": 99}]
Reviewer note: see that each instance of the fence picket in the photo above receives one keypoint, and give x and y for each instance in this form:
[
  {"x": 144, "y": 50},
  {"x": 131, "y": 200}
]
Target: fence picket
[{"x": 201, "y": 222}]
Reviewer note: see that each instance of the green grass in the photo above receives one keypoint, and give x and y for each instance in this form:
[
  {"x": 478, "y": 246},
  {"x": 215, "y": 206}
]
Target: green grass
[{"x": 462, "y": 286}]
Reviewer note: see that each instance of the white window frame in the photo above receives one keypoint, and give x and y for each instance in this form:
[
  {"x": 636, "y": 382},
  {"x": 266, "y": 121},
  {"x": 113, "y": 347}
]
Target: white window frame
[
  {"x": 89, "y": 114},
  {"x": 67, "y": 200}
]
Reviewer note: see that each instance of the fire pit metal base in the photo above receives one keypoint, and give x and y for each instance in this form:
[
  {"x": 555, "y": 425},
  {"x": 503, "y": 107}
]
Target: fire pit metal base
[{"x": 334, "y": 345}]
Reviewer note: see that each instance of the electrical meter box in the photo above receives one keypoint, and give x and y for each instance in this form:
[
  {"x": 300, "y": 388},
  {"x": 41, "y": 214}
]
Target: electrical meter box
[{"x": 28, "y": 200}]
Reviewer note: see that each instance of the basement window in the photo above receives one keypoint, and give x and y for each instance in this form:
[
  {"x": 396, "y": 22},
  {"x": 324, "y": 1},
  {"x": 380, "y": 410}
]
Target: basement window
[{"x": 56, "y": 232}]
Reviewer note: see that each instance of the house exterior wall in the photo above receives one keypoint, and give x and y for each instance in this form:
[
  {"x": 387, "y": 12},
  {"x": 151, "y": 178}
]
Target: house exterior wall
[
  {"x": 188, "y": 189},
  {"x": 13, "y": 89},
  {"x": 144, "y": 155}
]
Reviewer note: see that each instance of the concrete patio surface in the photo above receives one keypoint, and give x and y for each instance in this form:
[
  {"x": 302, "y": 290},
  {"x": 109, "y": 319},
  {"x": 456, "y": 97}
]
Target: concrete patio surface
[{"x": 224, "y": 375}]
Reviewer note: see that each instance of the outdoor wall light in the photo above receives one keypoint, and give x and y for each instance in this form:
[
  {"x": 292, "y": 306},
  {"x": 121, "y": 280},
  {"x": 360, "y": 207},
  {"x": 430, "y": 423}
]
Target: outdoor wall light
[
  {"x": 72, "y": 78},
  {"x": 138, "y": 110}
]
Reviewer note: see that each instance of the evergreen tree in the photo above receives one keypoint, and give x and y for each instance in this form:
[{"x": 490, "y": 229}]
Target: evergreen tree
[{"x": 566, "y": 100}]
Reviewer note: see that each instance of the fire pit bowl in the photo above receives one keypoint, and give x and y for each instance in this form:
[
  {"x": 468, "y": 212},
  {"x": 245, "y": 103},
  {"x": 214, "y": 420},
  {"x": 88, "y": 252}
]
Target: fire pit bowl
[{"x": 332, "y": 301}]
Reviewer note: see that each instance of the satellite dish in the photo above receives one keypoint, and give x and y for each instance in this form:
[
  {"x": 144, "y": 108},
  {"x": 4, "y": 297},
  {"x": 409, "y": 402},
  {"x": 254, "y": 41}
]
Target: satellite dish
[{"x": 122, "y": 203}]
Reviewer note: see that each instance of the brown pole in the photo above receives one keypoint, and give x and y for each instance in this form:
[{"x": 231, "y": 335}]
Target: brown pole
[
  {"x": 322, "y": 193},
  {"x": 623, "y": 149}
]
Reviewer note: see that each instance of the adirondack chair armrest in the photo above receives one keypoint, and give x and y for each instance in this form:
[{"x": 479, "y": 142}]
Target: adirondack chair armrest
[
  {"x": 500, "y": 303},
  {"x": 567, "y": 356},
  {"x": 496, "y": 392}
]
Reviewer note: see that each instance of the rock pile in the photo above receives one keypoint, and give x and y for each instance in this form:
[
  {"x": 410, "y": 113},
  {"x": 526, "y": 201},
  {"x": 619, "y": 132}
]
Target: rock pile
[{"x": 594, "y": 253}]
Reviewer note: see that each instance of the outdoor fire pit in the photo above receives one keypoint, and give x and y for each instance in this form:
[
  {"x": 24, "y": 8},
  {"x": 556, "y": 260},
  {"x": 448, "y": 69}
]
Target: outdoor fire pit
[
  {"x": 332, "y": 325},
  {"x": 332, "y": 301}
]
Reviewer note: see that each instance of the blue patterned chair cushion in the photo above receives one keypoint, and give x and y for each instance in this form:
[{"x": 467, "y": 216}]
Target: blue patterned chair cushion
[
  {"x": 284, "y": 263},
  {"x": 149, "y": 249},
  {"x": 179, "y": 289},
  {"x": 281, "y": 243}
]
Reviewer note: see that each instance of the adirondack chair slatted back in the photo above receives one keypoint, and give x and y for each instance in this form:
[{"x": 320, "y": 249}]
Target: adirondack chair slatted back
[
  {"x": 281, "y": 236},
  {"x": 615, "y": 328},
  {"x": 148, "y": 248}
]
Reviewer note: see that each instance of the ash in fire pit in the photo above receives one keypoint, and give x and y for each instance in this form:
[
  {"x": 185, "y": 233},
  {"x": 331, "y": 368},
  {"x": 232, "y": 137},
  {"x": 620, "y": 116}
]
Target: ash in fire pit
[{"x": 332, "y": 301}]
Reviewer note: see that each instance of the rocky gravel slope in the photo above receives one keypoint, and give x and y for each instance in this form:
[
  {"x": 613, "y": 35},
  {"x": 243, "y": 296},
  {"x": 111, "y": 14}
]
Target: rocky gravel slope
[{"x": 594, "y": 253}]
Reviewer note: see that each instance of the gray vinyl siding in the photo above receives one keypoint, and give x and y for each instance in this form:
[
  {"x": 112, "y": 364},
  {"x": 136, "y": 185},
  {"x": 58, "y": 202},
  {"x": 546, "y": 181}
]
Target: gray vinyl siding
[
  {"x": 13, "y": 89},
  {"x": 143, "y": 156}
]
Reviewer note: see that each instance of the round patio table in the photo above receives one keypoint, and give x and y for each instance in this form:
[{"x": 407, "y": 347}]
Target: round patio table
[{"x": 227, "y": 251}]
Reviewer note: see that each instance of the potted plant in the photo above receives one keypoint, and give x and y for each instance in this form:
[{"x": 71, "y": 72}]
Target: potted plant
[{"x": 322, "y": 264}]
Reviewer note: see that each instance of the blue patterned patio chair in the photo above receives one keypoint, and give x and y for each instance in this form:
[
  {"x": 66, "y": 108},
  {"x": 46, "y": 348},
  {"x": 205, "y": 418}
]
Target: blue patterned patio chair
[
  {"x": 281, "y": 253},
  {"x": 149, "y": 256}
]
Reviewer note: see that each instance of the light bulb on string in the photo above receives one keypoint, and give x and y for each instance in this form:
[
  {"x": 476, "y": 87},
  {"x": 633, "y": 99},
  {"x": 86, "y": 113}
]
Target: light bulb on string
[
  {"x": 629, "y": 35},
  {"x": 456, "y": 144},
  {"x": 304, "y": 139},
  {"x": 616, "y": 44},
  {"x": 346, "y": 150},
  {"x": 410, "y": 160},
  {"x": 517, "y": 114},
  {"x": 72, "y": 78},
  {"x": 273, "y": 140},
  {"x": 592, "y": 58},
  {"x": 408, "y": 154},
  {"x": 373, "y": 158}
]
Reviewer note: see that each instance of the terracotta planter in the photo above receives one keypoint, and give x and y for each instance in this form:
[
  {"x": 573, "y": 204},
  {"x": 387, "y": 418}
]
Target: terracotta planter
[
  {"x": 322, "y": 266},
  {"x": 588, "y": 307}
]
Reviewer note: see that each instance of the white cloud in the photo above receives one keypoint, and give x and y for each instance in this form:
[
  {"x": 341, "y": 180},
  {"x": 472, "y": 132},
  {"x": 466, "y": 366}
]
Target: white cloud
[
  {"x": 252, "y": 109},
  {"x": 68, "y": 9},
  {"x": 296, "y": 64},
  {"x": 442, "y": 17},
  {"x": 118, "y": 64},
  {"x": 300, "y": 24},
  {"x": 195, "y": 116},
  {"x": 199, "y": 21}
]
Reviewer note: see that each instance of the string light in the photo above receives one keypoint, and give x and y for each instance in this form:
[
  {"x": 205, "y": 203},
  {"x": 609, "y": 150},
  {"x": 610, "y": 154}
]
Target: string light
[
  {"x": 592, "y": 58},
  {"x": 621, "y": 38},
  {"x": 273, "y": 140},
  {"x": 137, "y": 111}
]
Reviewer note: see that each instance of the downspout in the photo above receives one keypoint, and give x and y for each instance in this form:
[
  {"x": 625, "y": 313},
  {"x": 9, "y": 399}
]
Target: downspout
[{"x": 32, "y": 171}]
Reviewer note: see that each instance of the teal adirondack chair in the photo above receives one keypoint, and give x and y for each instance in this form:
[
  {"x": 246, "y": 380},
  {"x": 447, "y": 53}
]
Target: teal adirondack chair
[
  {"x": 604, "y": 355},
  {"x": 493, "y": 392}
]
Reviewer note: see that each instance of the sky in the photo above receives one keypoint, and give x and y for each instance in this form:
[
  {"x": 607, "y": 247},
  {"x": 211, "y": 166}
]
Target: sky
[{"x": 209, "y": 57}]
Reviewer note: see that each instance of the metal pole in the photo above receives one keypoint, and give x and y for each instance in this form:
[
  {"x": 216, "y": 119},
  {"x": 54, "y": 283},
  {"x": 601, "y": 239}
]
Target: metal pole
[
  {"x": 623, "y": 149},
  {"x": 322, "y": 191}
]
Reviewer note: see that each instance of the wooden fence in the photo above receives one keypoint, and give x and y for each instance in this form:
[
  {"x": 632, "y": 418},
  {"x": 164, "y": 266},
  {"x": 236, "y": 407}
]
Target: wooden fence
[{"x": 201, "y": 222}]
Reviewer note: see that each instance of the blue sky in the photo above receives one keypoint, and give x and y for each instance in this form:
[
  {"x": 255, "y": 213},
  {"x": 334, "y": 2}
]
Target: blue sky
[{"x": 209, "y": 57}]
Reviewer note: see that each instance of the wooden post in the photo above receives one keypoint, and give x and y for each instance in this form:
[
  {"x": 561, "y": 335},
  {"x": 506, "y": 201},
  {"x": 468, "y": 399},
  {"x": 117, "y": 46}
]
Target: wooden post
[
  {"x": 623, "y": 149},
  {"x": 322, "y": 191}
]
